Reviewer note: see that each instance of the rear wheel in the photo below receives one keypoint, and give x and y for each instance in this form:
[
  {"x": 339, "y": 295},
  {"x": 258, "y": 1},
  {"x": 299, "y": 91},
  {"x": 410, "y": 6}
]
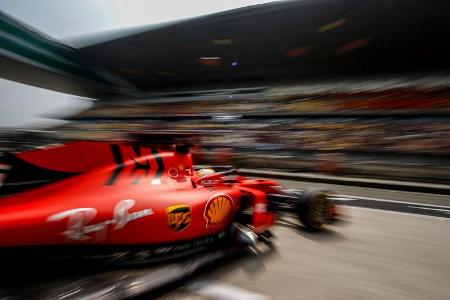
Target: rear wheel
[{"x": 314, "y": 209}]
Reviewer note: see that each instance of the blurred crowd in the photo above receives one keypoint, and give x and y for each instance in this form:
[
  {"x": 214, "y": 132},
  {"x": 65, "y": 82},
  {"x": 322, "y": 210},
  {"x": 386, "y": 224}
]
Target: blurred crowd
[
  {"x": 374, "y": 133},
  {"x": 394, "y": 120},
  {"x": 273, "y": 102},
  {"x": 420, "y": 136}
]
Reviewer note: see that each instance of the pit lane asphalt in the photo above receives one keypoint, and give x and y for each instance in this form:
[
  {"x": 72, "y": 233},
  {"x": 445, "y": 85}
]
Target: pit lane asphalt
[{"x": 381, "y": 252}]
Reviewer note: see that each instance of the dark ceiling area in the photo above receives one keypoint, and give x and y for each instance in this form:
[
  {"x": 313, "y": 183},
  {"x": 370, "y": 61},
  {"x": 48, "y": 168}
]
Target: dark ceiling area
[{"x": 284, "y": 40}]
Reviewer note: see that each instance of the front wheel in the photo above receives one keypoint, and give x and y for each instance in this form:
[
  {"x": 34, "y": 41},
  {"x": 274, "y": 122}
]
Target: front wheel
[{"x": 314, "y": 209}]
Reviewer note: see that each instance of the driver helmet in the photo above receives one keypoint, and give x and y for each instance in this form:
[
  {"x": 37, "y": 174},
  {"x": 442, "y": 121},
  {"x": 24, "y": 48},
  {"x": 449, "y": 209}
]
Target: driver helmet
[{"x": 204, "y": 172}]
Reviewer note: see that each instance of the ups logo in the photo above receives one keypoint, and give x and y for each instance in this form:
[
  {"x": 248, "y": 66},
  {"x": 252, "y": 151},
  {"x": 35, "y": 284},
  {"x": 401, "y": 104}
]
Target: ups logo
[{"x": 179, "y": 217}]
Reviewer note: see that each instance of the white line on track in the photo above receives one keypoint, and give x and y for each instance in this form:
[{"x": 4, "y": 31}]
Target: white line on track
[
  {"x": 400, "y": 213},
  {"x": 434, "y": 209},
  {"x": 222, "y": 291},
  {"x": 348, "y": 197},
  {"x": 341, "y": 198}
]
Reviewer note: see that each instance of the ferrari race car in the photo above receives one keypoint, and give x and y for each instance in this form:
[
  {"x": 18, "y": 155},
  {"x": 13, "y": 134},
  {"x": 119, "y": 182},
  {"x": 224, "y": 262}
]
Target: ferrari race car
[{"x": 94, "y": 199}]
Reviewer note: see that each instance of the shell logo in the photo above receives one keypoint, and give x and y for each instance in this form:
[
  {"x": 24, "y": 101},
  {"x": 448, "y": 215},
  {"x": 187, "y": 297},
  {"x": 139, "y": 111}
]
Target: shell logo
[{"x": 218, "y": 209}]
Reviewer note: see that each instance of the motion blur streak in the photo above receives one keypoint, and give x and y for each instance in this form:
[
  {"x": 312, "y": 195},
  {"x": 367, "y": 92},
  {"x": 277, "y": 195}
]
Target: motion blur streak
[
  {"x": 211, "y": 290},
  {"x": 353, "y": 45},
  {"x": 332, "y": 25},
  {"x": 298, "y": 51}
]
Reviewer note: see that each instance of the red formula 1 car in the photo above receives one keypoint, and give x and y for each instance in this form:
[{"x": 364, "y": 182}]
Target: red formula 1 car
[{"x": 93, "y": 199}]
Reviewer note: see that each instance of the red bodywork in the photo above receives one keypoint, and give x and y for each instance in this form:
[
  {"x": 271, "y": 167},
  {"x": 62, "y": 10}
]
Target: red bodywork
[{"x": 116, "y": 194}]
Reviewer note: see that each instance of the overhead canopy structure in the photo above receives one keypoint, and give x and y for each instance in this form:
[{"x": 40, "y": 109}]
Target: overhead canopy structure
[
  {"x": 288, "y": 39},
  {"x": 31, "y": 57},
  {"x": 257, "y": 44}
]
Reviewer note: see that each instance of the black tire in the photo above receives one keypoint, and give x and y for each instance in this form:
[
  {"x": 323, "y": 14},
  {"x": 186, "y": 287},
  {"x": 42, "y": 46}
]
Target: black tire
[{"x": 313, "y": 209}]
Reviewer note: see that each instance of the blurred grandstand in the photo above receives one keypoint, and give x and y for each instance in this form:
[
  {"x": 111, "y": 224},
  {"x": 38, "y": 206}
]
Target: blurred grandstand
[
  {"x": 389, "y": 130},
  {"x": 358, "y": 88}
]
